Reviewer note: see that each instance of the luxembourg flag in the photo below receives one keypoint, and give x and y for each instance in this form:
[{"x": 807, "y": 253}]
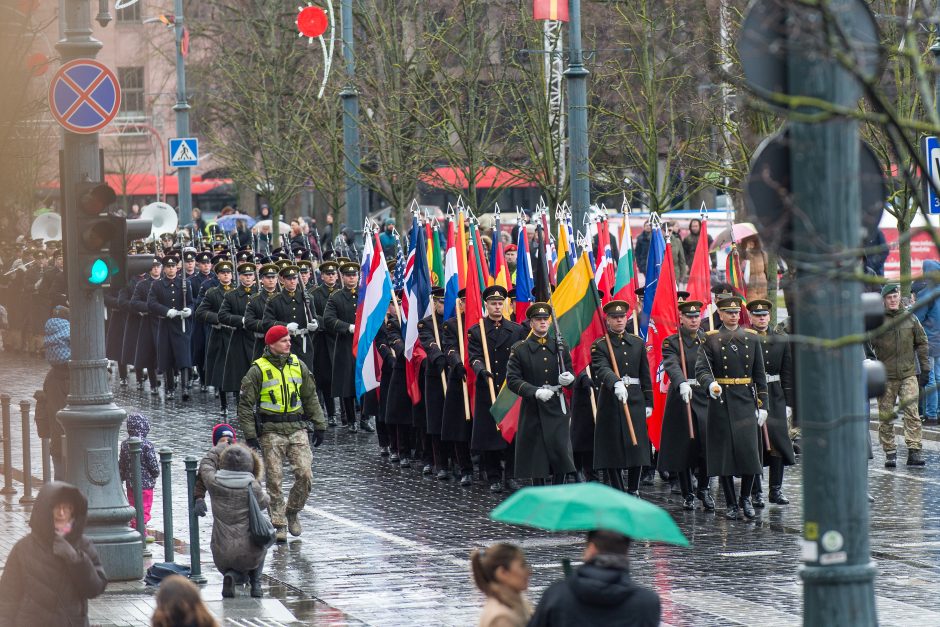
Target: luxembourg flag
[
  {"x": 375, "y": 293},
  {"x": 451, "y": 276}
]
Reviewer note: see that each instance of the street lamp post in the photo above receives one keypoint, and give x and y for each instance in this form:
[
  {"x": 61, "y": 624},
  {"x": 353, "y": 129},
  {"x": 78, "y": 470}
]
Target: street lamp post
[
  {"x": 90, "y": 418},
  {"x": 577, "y": 117},
  {"x": 350, "y": 97},
  {"x": 183, "y": 174}
]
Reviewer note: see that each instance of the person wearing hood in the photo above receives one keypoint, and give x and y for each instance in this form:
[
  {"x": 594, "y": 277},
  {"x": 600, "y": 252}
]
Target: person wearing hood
[
  {"x": 235, "y": 555},
  {"x": 928, "y": 312},
  {"x": 388, "y": 240},
  {"x": 138, "y": 427},
  {"x": 599, "y": 592},
  {"x": 52, "y": 572}
]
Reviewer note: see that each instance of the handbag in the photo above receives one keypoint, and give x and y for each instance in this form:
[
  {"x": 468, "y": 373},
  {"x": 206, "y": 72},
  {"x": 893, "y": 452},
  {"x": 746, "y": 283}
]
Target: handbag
[{"x": 260, "y": 527}]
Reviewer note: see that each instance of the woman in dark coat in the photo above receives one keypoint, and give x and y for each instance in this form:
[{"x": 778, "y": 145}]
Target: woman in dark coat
[
  {"x": 51, "y": 574},
  {"x": 232, "y": 313},
  {"x": 235, "y": 555}
]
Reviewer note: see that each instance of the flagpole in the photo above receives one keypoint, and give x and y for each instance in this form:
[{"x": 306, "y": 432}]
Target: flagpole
[
  {"x": 437, "y": 338},
  {"x": 685, "y": 373},
  {"x": 486, "y": 358},
  {"x": 587, "y": 371},
  {"x": 463, "y": 359}
]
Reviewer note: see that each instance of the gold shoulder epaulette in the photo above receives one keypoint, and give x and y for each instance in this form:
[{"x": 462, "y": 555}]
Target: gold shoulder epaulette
[
  {"x": 750, "y": 331},
  {"x": 712, "y": 332}
]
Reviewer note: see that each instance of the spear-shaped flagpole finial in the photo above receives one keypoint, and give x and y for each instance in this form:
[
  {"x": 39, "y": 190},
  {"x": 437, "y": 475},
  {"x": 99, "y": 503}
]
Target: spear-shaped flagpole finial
[{"x": 703, "y": 212}]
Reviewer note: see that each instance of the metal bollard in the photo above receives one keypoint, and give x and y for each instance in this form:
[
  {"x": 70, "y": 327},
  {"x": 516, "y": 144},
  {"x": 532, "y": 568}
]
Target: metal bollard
[
  {"x": 166, "y": 464},
  {"x": 27, "y": 456},
  {"x": 137, "y": 485},
  {"x": 7, "y": 453},
  {"x": 46, "y": 460},
  {"x": 195, "y": 567}
]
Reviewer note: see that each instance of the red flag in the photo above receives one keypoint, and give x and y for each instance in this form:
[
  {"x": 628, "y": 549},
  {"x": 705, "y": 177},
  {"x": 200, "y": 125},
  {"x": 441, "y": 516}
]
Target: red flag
[
  {"x": 664, "y": 321},
  {"x": 556, "y": 10},
  {"x": 412, "y": 371},
  {"x": 474, "y": 315},
  {"x": 605, "y": 275},
  {"x": 700, "y": 276},
  {"x": 736, "y": 279}
]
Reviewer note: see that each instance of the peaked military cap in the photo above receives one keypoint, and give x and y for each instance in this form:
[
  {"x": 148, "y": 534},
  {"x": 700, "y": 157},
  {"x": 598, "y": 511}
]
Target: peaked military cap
[
  {"x": 246, "y": 268},
  {"x": 349, "y": 267},
  {"x": 728, "y": 302},
  {"x": 305, "y": 265},
  {"x": 328, "y": 267},
  {"x": 268, "y": 269},
  {"x": 204, "y": 257},
  {"x": 495, "y": 292},
  {"x": 288, "y": 271},
  {"x": 691, "y": 308},
  {"x": 759, "y": 306},
  {"x": 223, "y": 266},
  {"x": 682, "y": 295},
  {"x": 437, "y": 293},
  {"x": 538, "y": 310},
  {"x": 617, "y": 308}
]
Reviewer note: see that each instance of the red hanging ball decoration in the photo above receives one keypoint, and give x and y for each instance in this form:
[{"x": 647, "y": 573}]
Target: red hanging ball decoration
[{"x": 312, "y": 21}]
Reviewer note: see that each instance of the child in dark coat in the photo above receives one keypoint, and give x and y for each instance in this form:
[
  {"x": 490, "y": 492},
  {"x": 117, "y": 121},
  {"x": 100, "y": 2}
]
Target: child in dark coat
[{"x": 138, "y": 427}]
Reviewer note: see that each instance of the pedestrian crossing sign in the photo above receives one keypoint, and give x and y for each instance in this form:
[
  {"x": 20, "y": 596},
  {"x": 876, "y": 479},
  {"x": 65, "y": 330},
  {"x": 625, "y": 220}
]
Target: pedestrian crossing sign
[{"x": 184, "y": 152}]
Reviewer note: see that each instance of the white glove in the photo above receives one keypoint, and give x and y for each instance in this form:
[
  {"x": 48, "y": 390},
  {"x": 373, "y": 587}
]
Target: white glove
[
  {"x": 292, "y": 328},
  {"x": 714, "y": 390},
  {"x": 685, "y": 392},
  {"x": 186, "y": 312},
  {"x": 761, "y": 417},
  {"x": 313, "y": 325},
  {"x": 789, "y": 413},
  {"x": 620, "y": 391},
  {"x": 243, "y": 322},
  {"x": 544, "y": 394},
  {"x": 649, "y": 412},
  {"x": 352, "y": 328},
  {"x": 172, "y": 313},
  {"x": 565, "y": 378}
]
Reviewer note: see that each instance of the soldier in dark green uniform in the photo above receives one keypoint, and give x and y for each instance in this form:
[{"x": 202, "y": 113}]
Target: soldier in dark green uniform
[
  {"x": 339, "y": 318},
  {"x": 292, "y": 309},
  {"x": 539, "y": 367},
  {"x": 679, "y": 453},
  {"x": 232, "y": 313},
  {"x": 323, "y": 339},
  {"x": 730, "y": 366},
  {"x": 778, "y": 366},
  {"x": 613, "y": 448},
  {"x": 254, "y": 314}
]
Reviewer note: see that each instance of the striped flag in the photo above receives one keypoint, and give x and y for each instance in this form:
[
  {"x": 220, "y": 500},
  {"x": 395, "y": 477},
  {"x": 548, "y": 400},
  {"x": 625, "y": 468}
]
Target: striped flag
[
  {"x": 625, "y": 283},
  {"x": 555, "y": 10},
  {"x": 604, "y": 272},
  {"x": 416, "y": 305},
  {"x": 524, "y": 280},
  {"x": 451, "y": 275},
  {"x": 653, "y": 265},
  {"x": 398, "y": 281},
  {"x": 375, "y": 293},
  {"x": 664, "y": 321}
]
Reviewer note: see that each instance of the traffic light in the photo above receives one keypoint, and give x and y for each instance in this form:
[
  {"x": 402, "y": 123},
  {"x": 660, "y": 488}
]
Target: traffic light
[
  {"x": 127, "y": 264},
  {"x": 96, "y": 231},
  {"x": 102, "y": 254}
]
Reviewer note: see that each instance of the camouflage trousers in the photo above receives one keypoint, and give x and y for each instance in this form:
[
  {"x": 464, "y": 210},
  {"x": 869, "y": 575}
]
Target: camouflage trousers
[
  {"x": 905, "y": 393},
  {"x": 294, "y": 449}
]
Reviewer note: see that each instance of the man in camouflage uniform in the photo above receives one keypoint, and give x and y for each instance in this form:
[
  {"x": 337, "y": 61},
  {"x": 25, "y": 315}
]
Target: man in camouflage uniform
[
  {"x": 901, "y": 349},
  {"x": 280, "y": 388}
]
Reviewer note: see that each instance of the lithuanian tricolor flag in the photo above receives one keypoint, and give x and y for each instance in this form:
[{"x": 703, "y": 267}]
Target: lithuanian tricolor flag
[{"x": 577, "y": 310}]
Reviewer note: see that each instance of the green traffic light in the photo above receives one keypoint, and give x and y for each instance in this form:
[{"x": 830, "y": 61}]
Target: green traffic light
[{"x": 99, "y": 271}]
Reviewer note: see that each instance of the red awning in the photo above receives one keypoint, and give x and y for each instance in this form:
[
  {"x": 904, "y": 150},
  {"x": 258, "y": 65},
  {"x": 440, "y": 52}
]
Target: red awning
[
  {"x": 146, "y": 184},
  {"x": 490, "y": 176}
]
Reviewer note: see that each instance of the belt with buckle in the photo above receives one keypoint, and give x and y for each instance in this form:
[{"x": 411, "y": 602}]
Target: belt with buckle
[
  {"x": 630, "y": 381},
  {"x": 734, "y": 381},
  {"x": 773, "y": 378}
]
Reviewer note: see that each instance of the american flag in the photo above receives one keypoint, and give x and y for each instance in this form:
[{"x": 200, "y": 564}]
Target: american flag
[{"x": 398, "y": 280}]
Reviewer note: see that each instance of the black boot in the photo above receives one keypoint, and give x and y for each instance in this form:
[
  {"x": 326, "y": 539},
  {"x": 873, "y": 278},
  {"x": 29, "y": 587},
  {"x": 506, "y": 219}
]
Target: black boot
[
  {"x": 915, "y": 457},
  {"x": 254, "y": 579},
  {"x": 747, "y": 507},
  {"x": 777, "y": 497},
  {"x": 228, "y": 585},
  {"x": 757, "y": 493},
  {"x": 184, "y": 383},
  {"x": 688, "y": 502},
  {"x": 708, "y": 501}
]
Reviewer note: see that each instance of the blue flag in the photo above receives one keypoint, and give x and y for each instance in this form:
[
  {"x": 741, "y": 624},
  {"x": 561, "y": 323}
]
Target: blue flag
[{"x": 653, "y": 264}]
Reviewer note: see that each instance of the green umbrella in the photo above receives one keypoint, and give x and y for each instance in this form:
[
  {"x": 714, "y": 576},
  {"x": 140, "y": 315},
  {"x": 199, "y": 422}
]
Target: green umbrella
[{"x": 586, "y": 507}]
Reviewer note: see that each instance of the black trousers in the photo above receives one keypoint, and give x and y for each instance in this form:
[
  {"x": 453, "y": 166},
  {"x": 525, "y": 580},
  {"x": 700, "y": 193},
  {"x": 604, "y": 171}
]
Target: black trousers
[
  {"x": 727, "y": 486},
  {"x": 348, "y": 404},
  {"x": 329, "y": 407},
  {"x": 122, "y": 370},
  {"x": 490, "y": 461},
  {"x": 223, "y": 399},
  {"x": 400, "y": 439},
  {"x": 462, "y": 457},
  {"x": 381, "y": 430},
  {"x": 685, "y": 480}
]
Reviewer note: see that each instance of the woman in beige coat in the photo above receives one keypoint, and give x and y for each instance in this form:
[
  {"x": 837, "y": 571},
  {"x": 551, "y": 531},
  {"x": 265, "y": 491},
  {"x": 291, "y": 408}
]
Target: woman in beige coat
[{"x": 502, "y": 574}]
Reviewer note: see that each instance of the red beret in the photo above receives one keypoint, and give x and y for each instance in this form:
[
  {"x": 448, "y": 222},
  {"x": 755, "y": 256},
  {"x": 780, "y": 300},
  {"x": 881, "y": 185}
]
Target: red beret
[
  {"x": 275, "y": 333},
  {"x": 511, "y": 248}
]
